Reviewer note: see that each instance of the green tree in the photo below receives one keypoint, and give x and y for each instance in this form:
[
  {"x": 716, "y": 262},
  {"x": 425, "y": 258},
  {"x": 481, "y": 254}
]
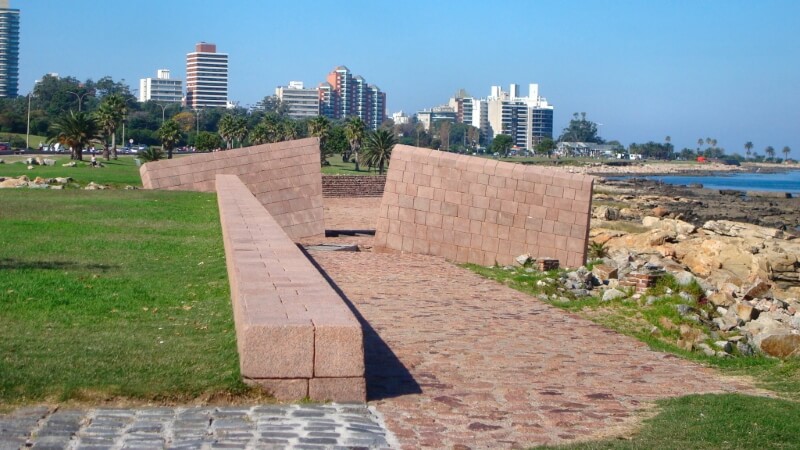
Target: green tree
[
  {"x": 240, "y": 130},
  {"x": 747, "y": 147},
  {"x": 170, "y": 134},
  {"x": 545, "y": 147},
  {"x": 227, "y": 128},
  {"x": 502, "y": 144},
  {"x": 273, "y": 104},
  {"x": 786, "y": 150},
  {"x": 770, "y": 151},
  {"x": 207, "y": 141},
  {"x": 109, "y": 115},
  {"x": 76, "y": 131},
  {"x": 378, "y": 148},
  {"x": 580, "y": 130},
  {"x": 444, "y": 134},
  {"x": 354, "y": 130},
  {"x": 699, "y": 144},
  {"x": 320, "y": 127}
]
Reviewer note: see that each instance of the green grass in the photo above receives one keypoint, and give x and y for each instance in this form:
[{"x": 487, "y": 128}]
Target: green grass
[
  {"x": 117, "y": 173},
  {"x": 727, "y": 421},
  {"x": 34, "y": 140},
  {"x": 113, "y": 294},
  {"x": 338, "y": 167}
]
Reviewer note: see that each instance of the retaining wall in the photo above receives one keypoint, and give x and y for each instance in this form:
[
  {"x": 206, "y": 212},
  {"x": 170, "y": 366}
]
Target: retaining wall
[
  {"x": 285, "y": 177},
  {"x": 482, "y": 211},
  {"x": 353, "y": 185},
  {"x": 295, "y": 335}
]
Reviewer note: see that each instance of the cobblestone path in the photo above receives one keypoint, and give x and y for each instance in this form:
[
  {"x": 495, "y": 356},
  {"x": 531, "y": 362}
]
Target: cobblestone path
[
  {"x": 259, "y": 427},
  {"x": 457, "y": 361}
]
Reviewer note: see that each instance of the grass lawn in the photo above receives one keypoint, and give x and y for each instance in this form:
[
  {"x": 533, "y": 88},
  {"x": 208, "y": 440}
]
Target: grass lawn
[
  {"x": 113, "y": 294},
  {"x": 727, "y": 421},
  {"x": 117, "y": 173},
  {"x": 338, "y": 167}
]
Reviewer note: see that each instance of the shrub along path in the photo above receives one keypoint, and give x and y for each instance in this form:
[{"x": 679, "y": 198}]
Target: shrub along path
[{"x": 456, "y": 359}]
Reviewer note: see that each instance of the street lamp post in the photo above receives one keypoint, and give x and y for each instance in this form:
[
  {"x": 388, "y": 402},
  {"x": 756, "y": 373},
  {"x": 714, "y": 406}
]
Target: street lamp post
[
  {"x": 28, "y": 128},
  {"x": 80, "y": 97},
  {"x": 163, "y": 111}
]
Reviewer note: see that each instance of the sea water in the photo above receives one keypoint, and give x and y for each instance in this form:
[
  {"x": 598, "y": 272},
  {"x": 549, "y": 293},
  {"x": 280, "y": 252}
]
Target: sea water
[{"x": 777, "y": 182}]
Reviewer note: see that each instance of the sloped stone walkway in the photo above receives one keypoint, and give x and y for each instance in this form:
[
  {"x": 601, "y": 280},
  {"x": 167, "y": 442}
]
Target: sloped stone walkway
[{"x": 457, "y": 361}]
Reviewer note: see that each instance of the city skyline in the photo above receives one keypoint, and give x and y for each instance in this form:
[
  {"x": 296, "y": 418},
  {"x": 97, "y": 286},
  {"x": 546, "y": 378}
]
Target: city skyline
[{"x": 726, "y": 70}]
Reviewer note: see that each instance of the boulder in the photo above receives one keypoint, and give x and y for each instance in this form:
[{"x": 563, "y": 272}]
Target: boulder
[
  {"x": 660, "y": 211},
  {"x": 759, "y": 288},
  {"x": 62, "y": 180},
  {"x": 613, "y": 294},
  {"x": 745, "y": 311},
  {"x": 740, "y": 229},
  {"x": 721, "y": 299},
  {"x": 70, "y": 164},
  {"x": 523, "y": 259},
  {"x": 604, "y": 212},
  {"x": 15, "y": 182},
  {"x": 680, "y": 227},
  {"x": 781, "y": 346},
  {"x": 49, "y": 162}
]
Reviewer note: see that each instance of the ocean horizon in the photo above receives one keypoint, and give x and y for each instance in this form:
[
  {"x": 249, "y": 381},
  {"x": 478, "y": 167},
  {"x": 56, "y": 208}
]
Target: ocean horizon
[{"x": 750, "y": 181}]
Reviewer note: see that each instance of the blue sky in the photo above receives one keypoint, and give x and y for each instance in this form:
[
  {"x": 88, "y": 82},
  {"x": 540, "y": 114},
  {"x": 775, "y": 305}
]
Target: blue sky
[{"x": 729, "y": 69}]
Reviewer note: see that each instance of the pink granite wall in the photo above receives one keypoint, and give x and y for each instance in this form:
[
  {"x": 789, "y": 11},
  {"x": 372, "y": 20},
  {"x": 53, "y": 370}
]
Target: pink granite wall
[
  {"x": 296, "y": 336},
  {"x": 483, "y": 211},
  {"x": 285, "y": 177}
]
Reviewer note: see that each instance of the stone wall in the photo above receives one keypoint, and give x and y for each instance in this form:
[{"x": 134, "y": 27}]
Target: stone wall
[
  {"x": 296, "y": 336},
  {"x": 483, "y": 211},
  {"x": 285, "y": 177},
  {"x": 353, "y": 185}
]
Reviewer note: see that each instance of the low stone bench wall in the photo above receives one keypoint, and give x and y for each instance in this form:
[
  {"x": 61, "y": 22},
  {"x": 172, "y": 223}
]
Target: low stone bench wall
[{"x": 295, "y": 335}]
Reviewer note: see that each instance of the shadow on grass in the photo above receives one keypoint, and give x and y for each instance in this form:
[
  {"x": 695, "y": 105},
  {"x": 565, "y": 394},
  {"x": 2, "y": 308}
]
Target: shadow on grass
[
  {"x": 11, "y": 264},
  {"x": 385, "y": 374}
]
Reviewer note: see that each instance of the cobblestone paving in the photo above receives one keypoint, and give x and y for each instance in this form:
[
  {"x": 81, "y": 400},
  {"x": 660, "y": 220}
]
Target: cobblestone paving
[
  {"x": 258, "y": 427},
  {"x": 457, "y": 361}
]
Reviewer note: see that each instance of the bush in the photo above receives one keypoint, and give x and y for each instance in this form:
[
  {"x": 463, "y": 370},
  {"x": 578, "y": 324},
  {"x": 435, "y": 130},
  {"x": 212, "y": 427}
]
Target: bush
[{"x": 151, "y": 154}]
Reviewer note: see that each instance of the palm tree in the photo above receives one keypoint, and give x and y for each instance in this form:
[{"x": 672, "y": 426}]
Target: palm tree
[
  {"x": 708, "y": 141},
  {"x": 289, "y": 131},
  {"x": 76, "y": 131},
  {"x": 747, "y": 147},
  {"x": 320, "y": 127},
  {"x": 699, "y": 144},
  {"x": 714, "y": 143},
  {"x": 227, "y": 128},
  {"x": 108, "y": 116},
  {"x": 354, "y": 130},
  {"x": 378, "y": 148},
  {"x": 770, "y": 152},
  {"x": 170, "y": 134},
  {"x": 240, "y": 130},
  {"x": 668, "y": 139},
  {"x": 786, "y": 150}
]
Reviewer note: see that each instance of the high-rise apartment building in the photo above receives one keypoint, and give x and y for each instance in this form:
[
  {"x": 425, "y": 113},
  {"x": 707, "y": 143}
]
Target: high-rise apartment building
[
  {"x": 343, "y": 95},
  {"x": 161, "y": 89},
  {"x": 303, "y": 102},
  {"x": 9, "y": 50},
  {"x": 527, "y": 120},
  {"x": 206, "y": 77}
]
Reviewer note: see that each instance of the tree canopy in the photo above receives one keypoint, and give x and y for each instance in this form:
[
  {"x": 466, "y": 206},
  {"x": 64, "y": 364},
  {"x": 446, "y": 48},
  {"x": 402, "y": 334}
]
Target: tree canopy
[{"x": 580, "y": 130}]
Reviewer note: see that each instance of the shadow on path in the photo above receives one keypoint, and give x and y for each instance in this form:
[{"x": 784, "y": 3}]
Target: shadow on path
[{"x": 386, "y": 376}]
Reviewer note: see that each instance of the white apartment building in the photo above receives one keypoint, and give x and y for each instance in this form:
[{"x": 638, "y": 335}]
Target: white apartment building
[
  {"x": 400, "y": 118},
  {"x": 161, "y": 89},
  {"x": 428, "y": 117},
  {"x": 303, "y": 102},
  {"x": 206, "y": 77},
  {"x": 527, "y": 120}
]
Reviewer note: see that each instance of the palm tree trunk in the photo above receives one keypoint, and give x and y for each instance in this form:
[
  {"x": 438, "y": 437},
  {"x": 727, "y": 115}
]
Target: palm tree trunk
[
  {"x": 114, "y": 144},
  {"x": 355, "y": 159},
  {"x": 106, "y": 153}
]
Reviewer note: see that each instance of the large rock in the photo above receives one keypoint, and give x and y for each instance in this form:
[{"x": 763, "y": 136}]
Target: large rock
[
  {"x": 679, "y": 227},
  {"x": 781, "y": 346},
  {"x": 15, "y": 182},
  {"x": 744, "y": 230},
  {"x": 604, "y": 212}
]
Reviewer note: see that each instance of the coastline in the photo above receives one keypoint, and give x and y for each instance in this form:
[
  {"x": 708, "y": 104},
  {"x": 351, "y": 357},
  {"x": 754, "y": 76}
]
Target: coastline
[{"x": 688, "y": 169}]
